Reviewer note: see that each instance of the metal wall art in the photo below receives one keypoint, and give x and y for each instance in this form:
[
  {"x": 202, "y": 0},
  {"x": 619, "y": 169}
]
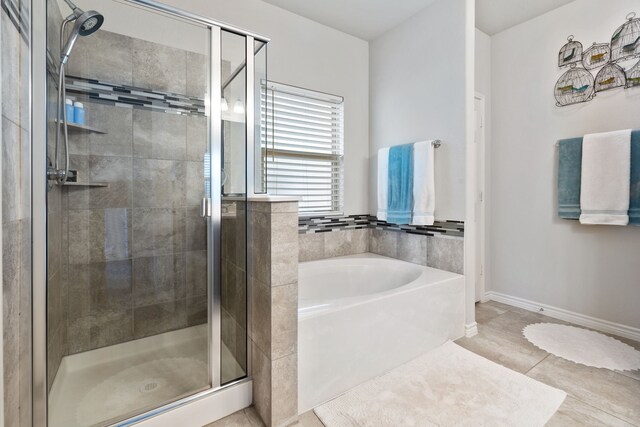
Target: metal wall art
[
  {"x": 609, "y": 77},
  {"x": 578, "y": 85},
  {"x": 570, "y": 53},
  {"x": 625, "y": 42},
  {"x": 596, "y": 56},
  {"x": 574, "y": 86},
  {"x": 633, "y": 76}
]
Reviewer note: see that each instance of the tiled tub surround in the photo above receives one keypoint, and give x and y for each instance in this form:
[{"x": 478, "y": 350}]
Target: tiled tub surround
[
  {"x": 16, "y": 213},
  {"x": 137, "y": 248},
  {"x": 274, "y": 306},
  {"x": 439, "y": 246},
  {"x": 342, "y": 300}
]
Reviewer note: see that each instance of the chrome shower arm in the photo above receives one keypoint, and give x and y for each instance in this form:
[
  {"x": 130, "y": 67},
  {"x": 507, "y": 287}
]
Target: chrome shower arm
[{"x": 71, "y": 5}]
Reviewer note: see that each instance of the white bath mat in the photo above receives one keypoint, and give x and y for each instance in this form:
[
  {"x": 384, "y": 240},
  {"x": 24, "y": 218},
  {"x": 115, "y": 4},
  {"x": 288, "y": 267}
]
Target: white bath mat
[
  {"x": 448, "y": 386},
  {"x": 583, "y": 346}
]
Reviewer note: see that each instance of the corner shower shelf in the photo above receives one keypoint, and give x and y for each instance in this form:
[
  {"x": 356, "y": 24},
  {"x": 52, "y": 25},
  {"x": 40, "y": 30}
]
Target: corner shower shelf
[
  {"x": 74, "y": 127},
  {"x": 86, "y": 184}
]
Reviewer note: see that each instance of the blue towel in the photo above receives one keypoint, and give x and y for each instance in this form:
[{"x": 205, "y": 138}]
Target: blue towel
[
  {"x": 569, "y": 171},
  {"x": 634, "y": 201},
  {"x": 400, "y": 184}
]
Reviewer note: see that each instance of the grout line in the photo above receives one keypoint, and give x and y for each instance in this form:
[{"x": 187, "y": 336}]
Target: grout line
[
  {"x": 601, "y": 410},
  {"x": 542, "y": 360}
]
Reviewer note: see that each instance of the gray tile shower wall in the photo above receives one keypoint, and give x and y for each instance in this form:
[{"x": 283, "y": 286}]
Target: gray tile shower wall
[
  {"x": 136, "y": 248},
  {"x": 16, "y": 212},
  {"x": 440, "y": 246}
]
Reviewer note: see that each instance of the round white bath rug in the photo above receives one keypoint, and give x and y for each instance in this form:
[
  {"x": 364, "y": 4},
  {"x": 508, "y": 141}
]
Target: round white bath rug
[{"x": 583, "y": 346}]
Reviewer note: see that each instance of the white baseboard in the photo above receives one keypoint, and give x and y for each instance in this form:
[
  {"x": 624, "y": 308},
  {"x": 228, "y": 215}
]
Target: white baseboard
[
  {"x": 566, "y": 315},
  {"x": 471, "y": 330}
]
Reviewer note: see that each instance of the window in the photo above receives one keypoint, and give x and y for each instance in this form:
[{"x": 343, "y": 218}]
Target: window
[{"x": 303, "y": 146}]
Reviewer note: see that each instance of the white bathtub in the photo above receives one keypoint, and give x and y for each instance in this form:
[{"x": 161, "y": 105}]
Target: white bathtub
[{"x": 362, "y": 315}]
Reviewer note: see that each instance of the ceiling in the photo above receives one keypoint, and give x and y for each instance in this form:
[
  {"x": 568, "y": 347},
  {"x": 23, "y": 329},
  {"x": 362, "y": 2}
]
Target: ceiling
[
  {"x": 368, "y": 19},
  {"x": 494, "y": 16}
]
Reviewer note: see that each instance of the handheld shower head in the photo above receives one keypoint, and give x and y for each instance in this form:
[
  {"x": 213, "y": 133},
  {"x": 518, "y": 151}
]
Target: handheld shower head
[{"x": 86, "y": 24}]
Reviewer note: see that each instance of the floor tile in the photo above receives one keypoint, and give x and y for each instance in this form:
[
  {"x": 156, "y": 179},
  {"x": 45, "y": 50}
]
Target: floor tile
[
  {"x": 501, "y": 341},
  {"x": 309, "y": 419},
  {"x": 506, "y": 307},
  {"x": 602, "y": 388},
  {"x": 576, "y": 413},
  {"x": 254, "y": 418},
  {"x": 486, "y": 312},
  {"x": 237, "y": 419}
]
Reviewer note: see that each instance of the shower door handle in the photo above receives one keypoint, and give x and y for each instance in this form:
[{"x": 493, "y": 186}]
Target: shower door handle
[{"x": 205, "y": 208}]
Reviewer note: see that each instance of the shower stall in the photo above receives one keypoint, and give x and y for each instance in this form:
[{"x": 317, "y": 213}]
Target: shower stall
[{"x": 146, "y": 147}]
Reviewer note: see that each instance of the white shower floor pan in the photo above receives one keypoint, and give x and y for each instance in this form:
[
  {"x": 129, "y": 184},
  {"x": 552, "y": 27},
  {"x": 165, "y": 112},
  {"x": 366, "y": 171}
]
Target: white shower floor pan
[{"x": 97, "y": 387}]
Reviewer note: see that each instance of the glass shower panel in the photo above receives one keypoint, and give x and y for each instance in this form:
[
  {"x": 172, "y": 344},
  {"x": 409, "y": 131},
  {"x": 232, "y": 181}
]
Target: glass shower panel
[
  {"x": 128, "y": 250},
  {"x": 260, "y": 118},
  {"x": 234, "y": 209}
]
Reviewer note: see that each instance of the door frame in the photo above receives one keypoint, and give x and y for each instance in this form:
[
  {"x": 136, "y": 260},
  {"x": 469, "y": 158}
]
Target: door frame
[{"x": 480, "y": 197}]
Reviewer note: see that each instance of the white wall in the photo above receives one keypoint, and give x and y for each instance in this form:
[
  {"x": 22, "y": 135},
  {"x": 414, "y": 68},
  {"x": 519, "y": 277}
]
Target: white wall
[
  {"x": 483, "y": 63},
  {"x": 301, "y": 53},
  {"x": 591, "y": 270},
  {"x": 417, "y": 89}
]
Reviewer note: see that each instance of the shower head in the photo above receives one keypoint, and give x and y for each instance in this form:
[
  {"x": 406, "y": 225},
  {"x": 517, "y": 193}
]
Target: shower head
[
  {"x": 86, "y": 23},
  {"x": 89, "y": 22}
]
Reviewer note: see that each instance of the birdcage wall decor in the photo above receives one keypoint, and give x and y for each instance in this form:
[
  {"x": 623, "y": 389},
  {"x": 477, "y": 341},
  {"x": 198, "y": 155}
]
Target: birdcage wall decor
[
  {"x": 596, "y": 56},
  {"x": 578, "y": 84},
  {"x": 570, "y": 53},
  {"x": 573, "y": 87},
  {"x": 633, "y": 76},
  {"x": 609, "y": 77},
  {"x": 625, "y": 41}
]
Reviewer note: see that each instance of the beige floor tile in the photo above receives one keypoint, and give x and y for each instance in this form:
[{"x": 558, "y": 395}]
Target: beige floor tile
[
  {"x": 501, "y": 341},
  {"x": 486, "y": 311},
  {"x": 309, "y": 419},
  {"x": 604, "y": 389},
  {"x": 237, "y": 419},
  {"x": 253, "y": 417},
  {"x": 576, "y": 413},
  {"x": 506, "y": 307}
]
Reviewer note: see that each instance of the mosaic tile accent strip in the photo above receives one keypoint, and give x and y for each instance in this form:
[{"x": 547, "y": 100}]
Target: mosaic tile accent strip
[
  {"x": 323, "y": 224},
  {"x": 134, "y": 97}
]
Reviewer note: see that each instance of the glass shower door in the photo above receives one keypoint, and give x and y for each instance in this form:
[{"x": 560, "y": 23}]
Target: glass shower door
[{"x": 130, "y": 254}]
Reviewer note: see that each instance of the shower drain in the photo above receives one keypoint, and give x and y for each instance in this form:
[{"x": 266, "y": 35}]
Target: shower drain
[{"x": 149, "y": 387}]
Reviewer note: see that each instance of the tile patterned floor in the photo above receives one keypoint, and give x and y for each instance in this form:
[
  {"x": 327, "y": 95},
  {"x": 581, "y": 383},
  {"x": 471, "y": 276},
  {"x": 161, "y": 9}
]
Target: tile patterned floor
[{"x": 595, "y": 397}]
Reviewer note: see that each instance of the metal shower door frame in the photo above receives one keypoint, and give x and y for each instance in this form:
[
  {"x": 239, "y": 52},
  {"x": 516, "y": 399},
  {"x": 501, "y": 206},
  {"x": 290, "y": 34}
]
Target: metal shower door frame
[{"x": 38, "y": 88}]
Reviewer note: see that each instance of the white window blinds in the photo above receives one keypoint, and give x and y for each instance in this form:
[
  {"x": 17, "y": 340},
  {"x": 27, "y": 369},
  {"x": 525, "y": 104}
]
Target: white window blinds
[{"x": 303, "y": 146}]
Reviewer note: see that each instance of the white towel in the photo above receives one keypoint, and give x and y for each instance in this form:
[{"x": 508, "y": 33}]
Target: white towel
[
  {"x": 424, "y": 189},
  {"x": 605, "y": 179},
  {"x": 383, "y": 181}
]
